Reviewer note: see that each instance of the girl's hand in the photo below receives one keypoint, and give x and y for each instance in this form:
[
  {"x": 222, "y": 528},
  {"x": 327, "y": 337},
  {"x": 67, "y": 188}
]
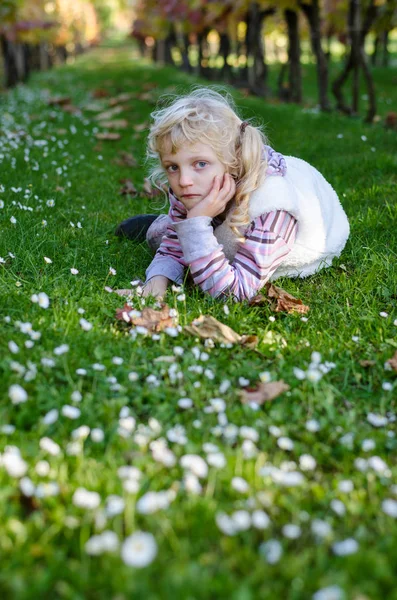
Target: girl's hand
[
  {"x": 156, "y": 286},
  {"x": 223, "y": 190}
]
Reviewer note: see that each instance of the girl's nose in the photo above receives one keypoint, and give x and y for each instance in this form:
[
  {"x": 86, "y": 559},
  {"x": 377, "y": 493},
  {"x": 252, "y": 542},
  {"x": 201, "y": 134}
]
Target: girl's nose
[{"x": 185, "y": 178}]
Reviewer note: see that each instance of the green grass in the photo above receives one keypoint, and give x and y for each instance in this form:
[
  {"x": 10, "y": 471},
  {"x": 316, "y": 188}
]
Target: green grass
[{"x": 43, "y": 537}]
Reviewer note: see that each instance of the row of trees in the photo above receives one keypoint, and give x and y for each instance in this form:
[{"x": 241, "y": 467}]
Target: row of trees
[
  {"x": 36, "y": 33},
  {"x": 182, "y": 28}
]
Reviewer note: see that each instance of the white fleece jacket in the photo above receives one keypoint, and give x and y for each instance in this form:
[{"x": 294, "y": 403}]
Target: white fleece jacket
[{"x": 323, "y": 227}]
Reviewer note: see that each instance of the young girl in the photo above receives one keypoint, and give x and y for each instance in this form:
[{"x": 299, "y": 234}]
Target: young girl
[{"x": 240, "y": 213}]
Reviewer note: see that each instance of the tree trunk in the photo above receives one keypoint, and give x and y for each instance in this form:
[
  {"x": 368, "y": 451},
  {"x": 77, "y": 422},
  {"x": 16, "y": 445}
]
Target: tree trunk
[
  {"x": 312, "y": 12},
  {"x": 160, "y": 51},
  {"x": 10, "y": 66},
  {"x": 294, "y": 65},
  {"x": 224, "y": 51},
  {"x": 357, "y": 32},
  {"x": 183, "y": 45},
  {"x": 355, "y": 28},
  {"x": 375, "y": 53},
  {"x": 169, "y": 42},
  {"x": 385, "y": 50},
  {"x": 257, "y": 71}
]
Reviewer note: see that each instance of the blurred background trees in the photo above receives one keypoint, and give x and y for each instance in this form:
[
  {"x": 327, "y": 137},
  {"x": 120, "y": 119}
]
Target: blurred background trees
[{"x": 231, "y": 41}]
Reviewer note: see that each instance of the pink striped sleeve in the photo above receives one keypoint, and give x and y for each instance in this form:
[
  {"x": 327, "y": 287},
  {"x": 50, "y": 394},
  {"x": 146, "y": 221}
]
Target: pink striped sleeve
[
  {"x": 268, "y": 241},
  {"x": 168, "y": 260}
]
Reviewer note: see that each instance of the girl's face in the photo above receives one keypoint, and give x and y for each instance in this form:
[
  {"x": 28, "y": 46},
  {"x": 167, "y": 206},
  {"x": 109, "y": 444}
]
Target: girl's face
[{"x": 191, "y": 171}]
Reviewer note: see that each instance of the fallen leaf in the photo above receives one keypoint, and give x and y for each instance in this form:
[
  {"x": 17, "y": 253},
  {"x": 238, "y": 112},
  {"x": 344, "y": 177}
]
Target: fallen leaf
[
  {"x": 367, "y": 363},
  {"x": 140, "y": 127},
  {"x": 153, "y": 320},
  {"x": 100, "y": 93},
  {"x": 264, "y": 392},
  {"x": 124, "y": 97},
  {"x": 149, "y": 85},
  {"x": 108, "y": 136},
  {"x": 70, "y": 108},
  {"x": 151, "y": 190},
  {"x": 115, "y": 124},
  {"x": 94, "y": 106},
  {"x": 62, "y": 131},
  {"x": 167, "y": 359},
  {"x": 125, "y": 160},
  {"x": 109, "y": 114},
  {"x": 147, "y": 97},
  {"x": 279, "y": 300},
  {"x": 58, "y": 100},
  {"x": 128, "y": 188},
  {"x": 208, "y": 327},
  {"x": 393, "y": 362}
]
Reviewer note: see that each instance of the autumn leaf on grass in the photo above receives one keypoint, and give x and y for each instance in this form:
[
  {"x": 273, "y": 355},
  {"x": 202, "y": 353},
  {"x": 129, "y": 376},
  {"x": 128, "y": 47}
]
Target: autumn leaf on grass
[
  {"x": 108, "y": 136},
  {"x": 140, "y": 127},
  {"x": 58, "y": 100},
  {"x": 70, "y": 108},
  {"x": 124, "y": 97},
  {"x": 393, "y": 362},
  {"x": 152, "y": 191},
  {"x": 100, "y": 93},
  {"x": 115, "y": 124},
  {"x": 367, "y": 363},
  {"x": 93, "y": 107},
  {"x": 125, "y": 160},
  {"x": 279, "y": 300},
  {"x": 208, "y": 327},
  {"x": 151, "y": 319},
  {"x": 109, "y": 114},
  {"x": 128, "y": 188},
  {"x": 264, "y": 392}
]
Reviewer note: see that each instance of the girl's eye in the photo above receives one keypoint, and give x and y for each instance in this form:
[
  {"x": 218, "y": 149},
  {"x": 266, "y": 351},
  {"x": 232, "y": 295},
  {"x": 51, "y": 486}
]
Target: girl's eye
[
  {"x": 172, "y": 168},
  {"x": 202, "y": 164}
]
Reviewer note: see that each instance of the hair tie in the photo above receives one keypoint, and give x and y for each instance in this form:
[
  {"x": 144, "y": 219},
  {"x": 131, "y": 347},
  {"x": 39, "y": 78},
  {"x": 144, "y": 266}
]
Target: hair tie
[{"x": 243, "y": 125}]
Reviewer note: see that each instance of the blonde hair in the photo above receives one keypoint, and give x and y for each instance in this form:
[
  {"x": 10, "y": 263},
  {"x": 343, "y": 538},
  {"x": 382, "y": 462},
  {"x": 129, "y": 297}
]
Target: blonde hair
[{"x": 206, "y": 116}]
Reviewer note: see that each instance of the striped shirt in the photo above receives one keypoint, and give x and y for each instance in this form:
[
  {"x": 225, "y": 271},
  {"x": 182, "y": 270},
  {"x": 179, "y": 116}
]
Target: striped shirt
[{"x": 191, "y": 242}]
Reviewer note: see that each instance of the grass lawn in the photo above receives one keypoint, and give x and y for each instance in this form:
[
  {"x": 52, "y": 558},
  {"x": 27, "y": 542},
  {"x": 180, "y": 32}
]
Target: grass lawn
[{"x": 282, "y": 501}]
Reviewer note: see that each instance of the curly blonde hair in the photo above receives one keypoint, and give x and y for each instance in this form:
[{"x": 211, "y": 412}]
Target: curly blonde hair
[{"x": 206, "y": 116}]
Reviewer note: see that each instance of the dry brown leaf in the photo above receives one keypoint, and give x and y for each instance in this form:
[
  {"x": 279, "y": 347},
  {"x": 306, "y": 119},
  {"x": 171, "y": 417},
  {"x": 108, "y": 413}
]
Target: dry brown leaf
[
  {"x": 58, "y": 100},
  {"x": 100, "y": 93},
  {"x": 393, "y": 362},
  {"x": 124, "y": 97},
  {"x": 115, "y": 124},
  {"x": 108, "y": 136},
  {"x": 109, "y": 114},
  {"x": 150, "y": 190},
  {"x": 367, "y": 363},
  {"x": 208, "y": 327},
  {"x": 70, "y": 108},
  {"x": 140, "y": 127},
  {"x": 147, "y": 97},
  {"x": 128, "y": 188},
  {"x": 153, "y": 320},
  {"x": 94, "y": 106},
  {"x": 279, "y": 300},
  {"x": 249, "y": 341},
  {"x": 264, "y": 392},
  {"x": 125, "y": 160},
  {"x": 149, "y": 85}
]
